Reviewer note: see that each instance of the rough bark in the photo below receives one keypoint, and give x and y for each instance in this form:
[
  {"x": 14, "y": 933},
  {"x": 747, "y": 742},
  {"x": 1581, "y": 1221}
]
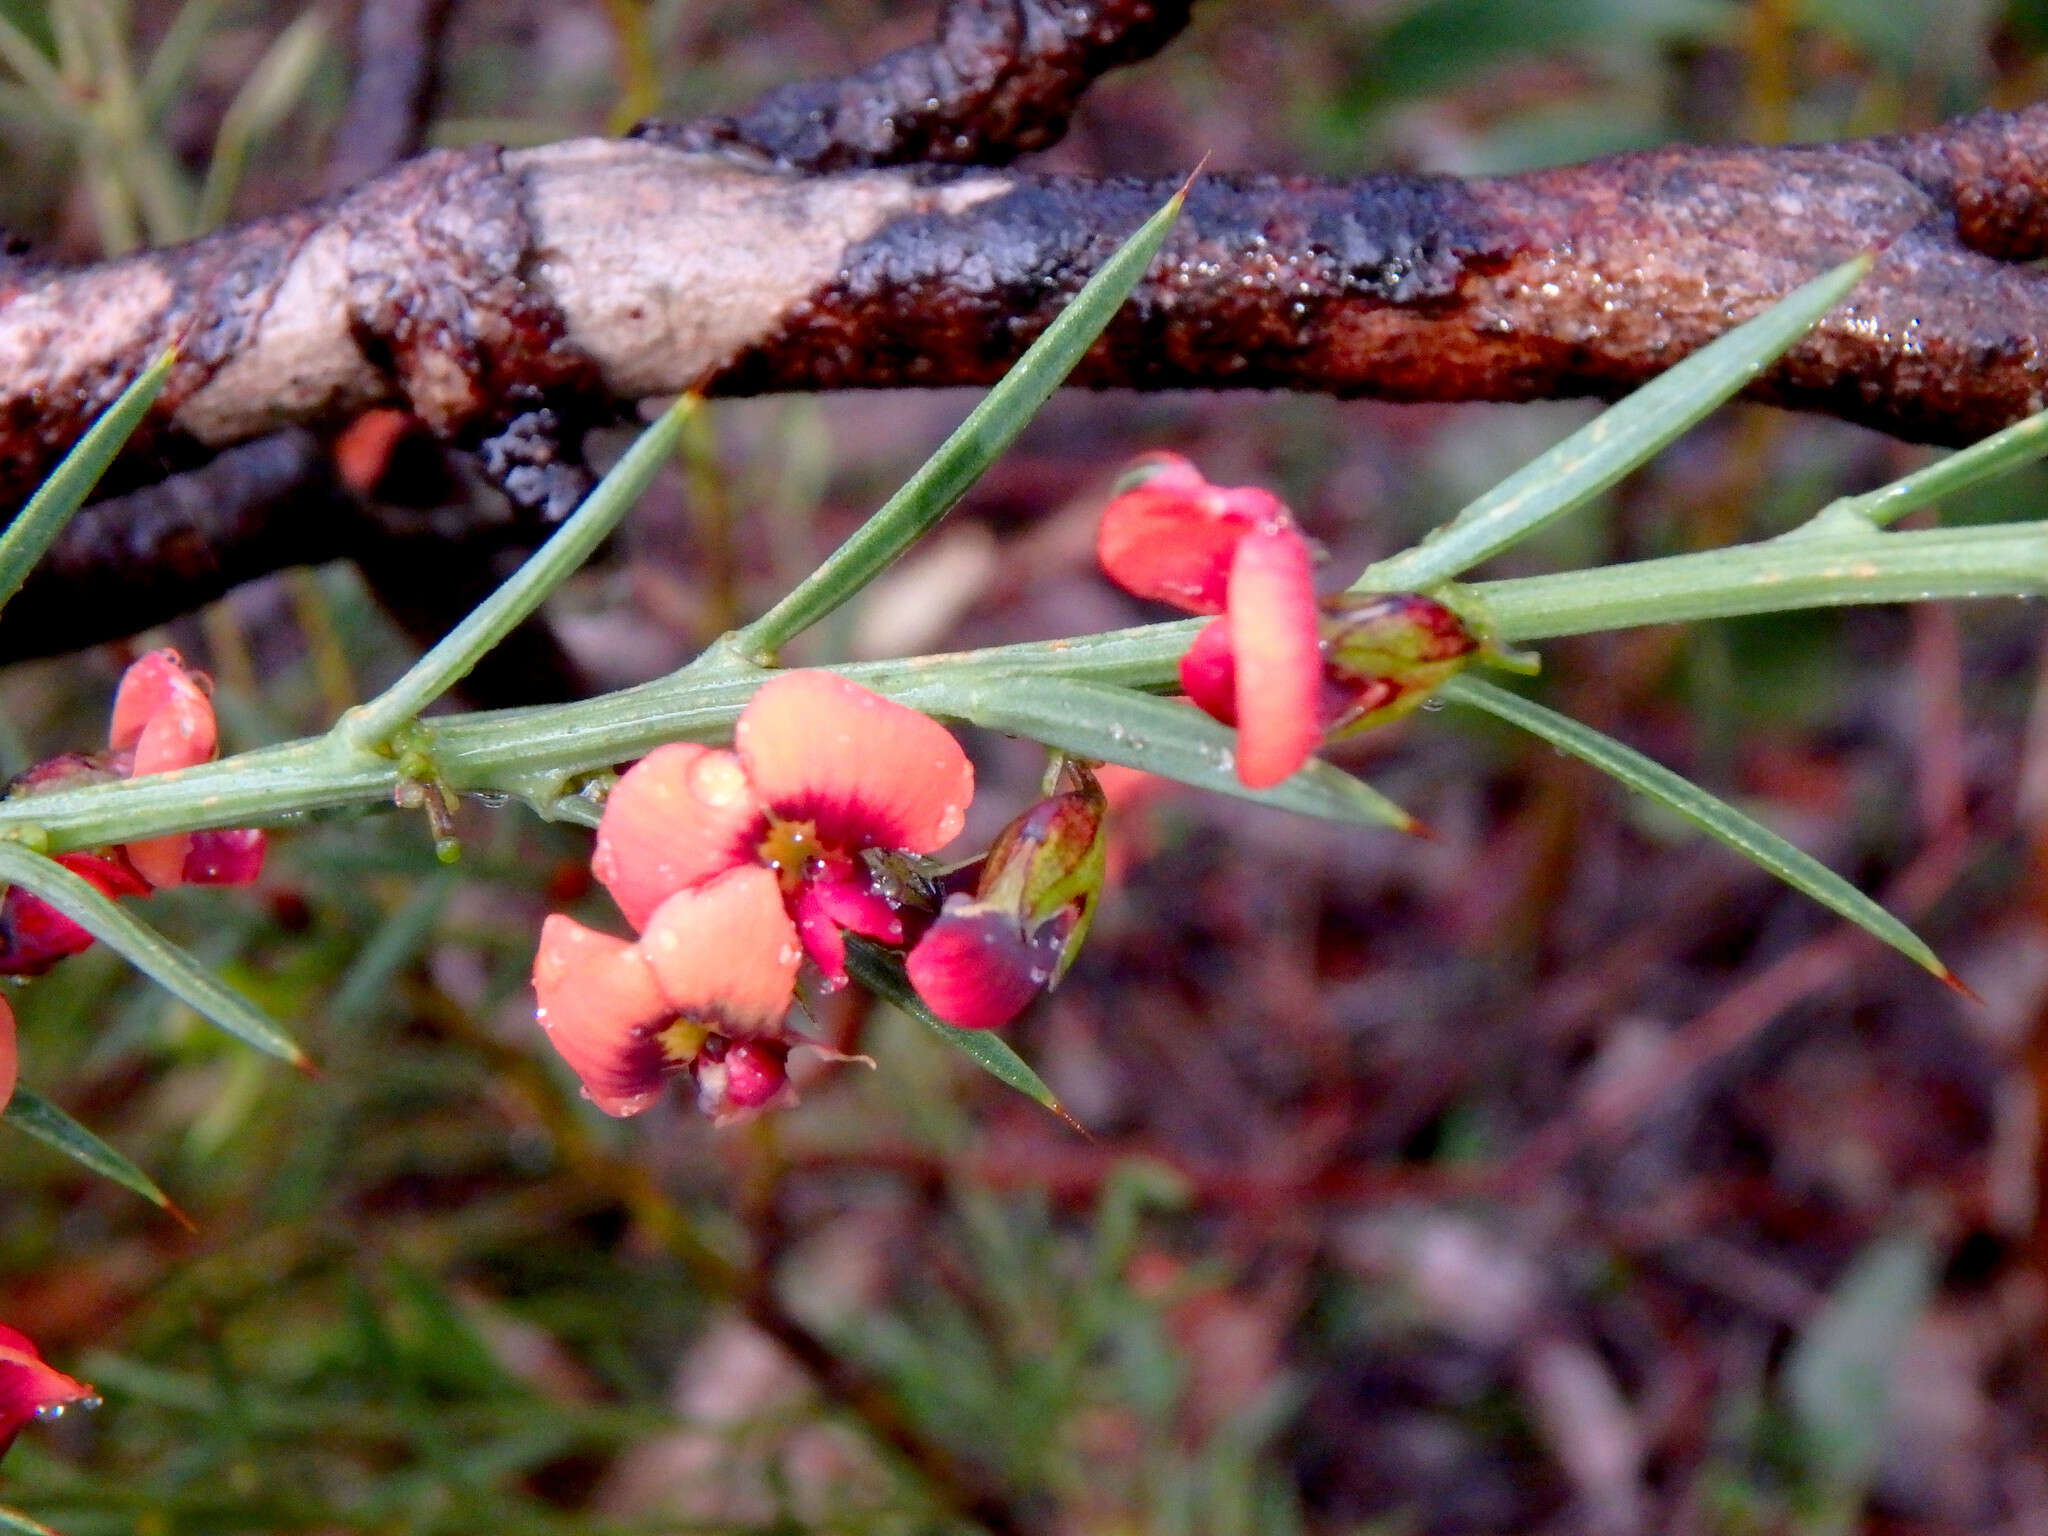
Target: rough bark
[
  {"x": 474, "y": 286},
  {"x": 1000, "y": 78}
]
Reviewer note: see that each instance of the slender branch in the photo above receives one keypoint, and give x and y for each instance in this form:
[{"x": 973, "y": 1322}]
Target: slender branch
[
  {"x": 397, "y": 48},
  {"x": 131, "y": 561},
  {"x": 999, "y": 79},
  {"x": 536, "y": 753}
]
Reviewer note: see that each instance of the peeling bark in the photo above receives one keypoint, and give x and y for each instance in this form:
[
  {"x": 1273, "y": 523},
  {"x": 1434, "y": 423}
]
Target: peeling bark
[{"x": 474, "y": 286}]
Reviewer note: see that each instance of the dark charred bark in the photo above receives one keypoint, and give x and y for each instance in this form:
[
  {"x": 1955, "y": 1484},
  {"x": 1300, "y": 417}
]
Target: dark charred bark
[
  {"x": 472, "y": 288},
  {"x": 1000, "y": 79},
  {"x": 126, "y": 563}
]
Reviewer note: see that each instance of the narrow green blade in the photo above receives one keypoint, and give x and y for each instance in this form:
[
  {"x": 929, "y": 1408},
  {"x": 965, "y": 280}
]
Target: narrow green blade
[
  {"x": 458, "y": 651},
  {"x": 1616, "y": 441},
  {"x": 15, "y": 1520},
  {"x": 30, "y": 1112},
  {"x": 1713, "y": 816},
  {"x": 989, "y": 428},
  {"x": 1162, "y": 736},
  {"x": 881, "y": 972},
  {"x": 147, "y": 950},
  {"x": 2021, "y": 443},
  {"x": 36, "y": 525}
]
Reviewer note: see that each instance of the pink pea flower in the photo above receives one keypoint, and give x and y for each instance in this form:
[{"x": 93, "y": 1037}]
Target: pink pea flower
[
  {"x": 163, "y": 720},
  {"x": 1170, "y": 535},
  {"x": 31, "y": 1389},
  {"x": 1287, "y": 671},
  {"x": 733, "y": 867}
]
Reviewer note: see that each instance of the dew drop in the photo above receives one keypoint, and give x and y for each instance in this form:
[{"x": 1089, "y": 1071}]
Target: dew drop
[
  {"x": 1433, "y": 705},
  {"x": 49, "y": 1413},
  {"x": 493, "y": 800}
]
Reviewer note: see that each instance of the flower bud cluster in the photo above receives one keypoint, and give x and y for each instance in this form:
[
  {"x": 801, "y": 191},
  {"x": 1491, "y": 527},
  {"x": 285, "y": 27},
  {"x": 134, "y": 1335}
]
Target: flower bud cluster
[
  {"x": 738, "y": 869},
  {"x": 1287, "y": 671}
]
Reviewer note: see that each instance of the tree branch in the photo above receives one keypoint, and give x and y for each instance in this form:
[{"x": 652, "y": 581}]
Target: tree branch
[
  {"x": 999, "y": 80},
  {"x": 472, "y": 286}
]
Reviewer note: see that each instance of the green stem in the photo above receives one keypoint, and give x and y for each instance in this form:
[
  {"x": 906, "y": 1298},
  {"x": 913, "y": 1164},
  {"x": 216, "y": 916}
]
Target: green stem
[
  {"x": 2020, "y": 443},
  {"x": 370, "y": 727},
  {"x": 535, "y": 753},
  {"x": 947, "y": 475}
]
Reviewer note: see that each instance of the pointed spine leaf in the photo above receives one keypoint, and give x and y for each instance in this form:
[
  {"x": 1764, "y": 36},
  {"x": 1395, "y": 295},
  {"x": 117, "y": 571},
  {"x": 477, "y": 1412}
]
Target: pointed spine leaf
[
  {"x": 15, "y": 1520},
  {"x": 1162, "y": 736},
  {"x": 457, "y": 652},
  {"x": 1618, "y": 440},
  {"x": 881, "y": 972},
  {"x": 990, "y": 427},
  {"x": 36, "y": 526},
  {"x": 29, "y": 1112},
  {"x": 169, "y": 966},
  {"x": 1713, "y": 816}
]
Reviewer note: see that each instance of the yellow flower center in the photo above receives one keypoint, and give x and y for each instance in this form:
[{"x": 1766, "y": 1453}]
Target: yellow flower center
[
  {"x": 682, "y": 1040},
  {"x": 789, "y": 849}
]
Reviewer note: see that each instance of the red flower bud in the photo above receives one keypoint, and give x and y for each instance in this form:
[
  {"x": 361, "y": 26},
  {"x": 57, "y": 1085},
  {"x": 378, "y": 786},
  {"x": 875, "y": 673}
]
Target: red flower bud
[
  {"x": 1386, "y": 653},
  {"x": 985, "y": 957},
  {"x": 30, "y": 1389}
]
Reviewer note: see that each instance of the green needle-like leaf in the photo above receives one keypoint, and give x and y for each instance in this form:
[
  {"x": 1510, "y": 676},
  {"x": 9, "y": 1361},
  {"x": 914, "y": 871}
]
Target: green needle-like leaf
[
  {"x": 989, "y": 428},
  {"x": 36, "y": 526},
  {"x": 147, "y": 950},
  {"x": 2021, "y": 443},
  {"x": 1616, "y": 441},
  {"x": 526, "y": 589},
  {"x": 1713, "y": 816},
  {"x": 15, "y": 1520},
  {"x": 1162, "y": 736},
  {"x": 30, "y": 1112},
  {"x": 881, "y": 972}
]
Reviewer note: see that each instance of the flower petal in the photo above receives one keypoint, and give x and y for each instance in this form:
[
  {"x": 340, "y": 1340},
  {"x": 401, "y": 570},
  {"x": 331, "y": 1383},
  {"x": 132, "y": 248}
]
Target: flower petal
[
  {"x": 853, "y": 903},
  {"x": 230, "y": 856},
  {"x": 1208, "y": 673},
  {"x": 145, "y": 688},
  {"x": 737, "y": 1077},
  {"x": 605, "y": 1014},
  {"x": 822, "y": 938},
  {"x": 976, "y": 969},
  {"x": 682, "y": 815},
  {"x": 161, "y": 860},
  {"x": 868, "y": 772},
  {"x": 180, "y": 731},
  {"x": 1273, "y": 637},
  {"x": 755, "y": 1072},
  {"x": 34, "y": 935},
  {"x": 725, "y": 953},
  {"x": 29, "y": 1388},
  {"x": 1171, "y": 535}
]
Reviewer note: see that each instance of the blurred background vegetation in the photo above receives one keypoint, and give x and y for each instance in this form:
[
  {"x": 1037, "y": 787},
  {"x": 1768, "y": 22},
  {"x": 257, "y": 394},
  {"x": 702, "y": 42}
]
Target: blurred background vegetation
[{"x": 1561, "y": 1174}]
